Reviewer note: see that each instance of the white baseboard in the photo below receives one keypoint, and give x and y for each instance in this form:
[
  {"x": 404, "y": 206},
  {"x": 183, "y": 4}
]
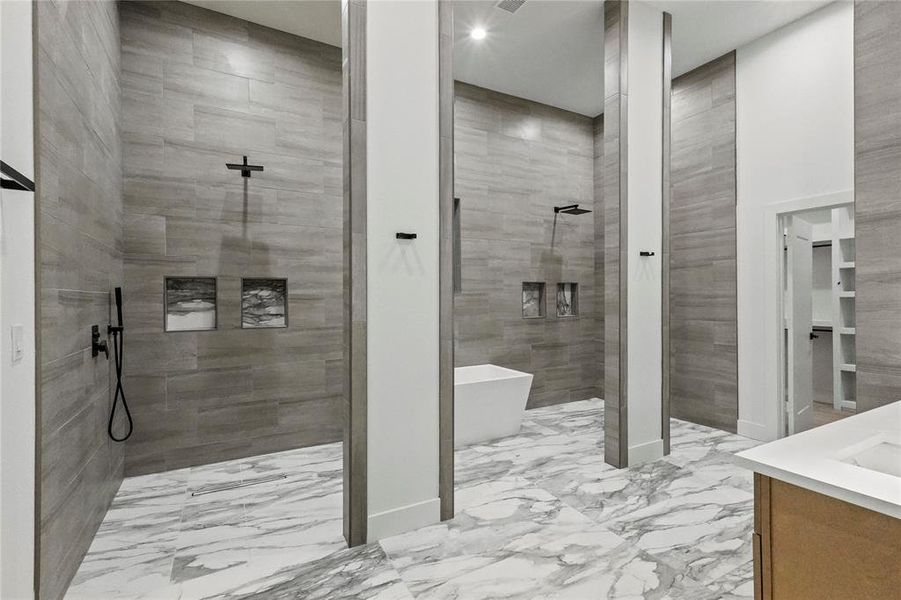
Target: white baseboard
[
  {"x": 646, "y": 452},
  {"x": 755, "y": 431},
  {"x": 405, "y": 518}
]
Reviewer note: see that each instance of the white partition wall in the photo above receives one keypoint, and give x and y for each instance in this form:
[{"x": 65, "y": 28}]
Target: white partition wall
[
  {"x": 402, "y": 275},
  {"x": 645, "y": 121},
  {"x": 795, "y": 144},
  {"x": 17, "y": 370}
]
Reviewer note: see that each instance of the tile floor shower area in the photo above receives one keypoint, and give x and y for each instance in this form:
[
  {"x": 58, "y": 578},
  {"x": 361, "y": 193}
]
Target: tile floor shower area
[{"x": 539, "y": 515}]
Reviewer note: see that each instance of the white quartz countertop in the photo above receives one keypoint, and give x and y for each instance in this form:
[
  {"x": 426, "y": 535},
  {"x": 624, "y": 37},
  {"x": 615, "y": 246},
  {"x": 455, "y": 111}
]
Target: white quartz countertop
[{"x": 823, "y": 459}]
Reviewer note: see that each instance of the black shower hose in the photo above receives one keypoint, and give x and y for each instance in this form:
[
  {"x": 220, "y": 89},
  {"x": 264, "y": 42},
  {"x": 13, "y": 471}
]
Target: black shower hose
[{"x": 118, "y": 352}]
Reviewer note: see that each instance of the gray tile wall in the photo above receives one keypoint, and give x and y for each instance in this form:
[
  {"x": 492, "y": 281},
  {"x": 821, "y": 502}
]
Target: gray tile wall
[
  {"x": 200, "y": 89},
  {"x": 877, "y": 152},
  {"x": 616, "y": 31},
  {"x": 80, "y": 248},
  {"x": 703, "y": 304},
  {"x": 516, "y": 160}
]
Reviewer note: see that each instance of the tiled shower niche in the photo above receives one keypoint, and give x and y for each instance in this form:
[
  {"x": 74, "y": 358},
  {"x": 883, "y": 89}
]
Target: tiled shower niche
[
  {"x": 567, "y": 300},
  {"x": 533, "y": 305}
]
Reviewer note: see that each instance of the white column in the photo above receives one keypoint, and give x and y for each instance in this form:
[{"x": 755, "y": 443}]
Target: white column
[
  {"x": 644, "y": 184},
  {"x": 402, "y": 275}
]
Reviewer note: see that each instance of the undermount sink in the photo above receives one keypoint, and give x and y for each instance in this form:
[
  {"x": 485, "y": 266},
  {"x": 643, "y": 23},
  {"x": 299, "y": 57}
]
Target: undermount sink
[{"x": 884, "y": 457}]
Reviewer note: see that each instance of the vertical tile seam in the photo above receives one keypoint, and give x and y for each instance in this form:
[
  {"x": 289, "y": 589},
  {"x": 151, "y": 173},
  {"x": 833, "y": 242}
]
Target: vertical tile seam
[{"x": 665, "y": 242}]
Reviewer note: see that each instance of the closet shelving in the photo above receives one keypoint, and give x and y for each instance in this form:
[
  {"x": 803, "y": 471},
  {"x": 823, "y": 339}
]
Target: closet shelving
[{"x": 844, "y": 292}]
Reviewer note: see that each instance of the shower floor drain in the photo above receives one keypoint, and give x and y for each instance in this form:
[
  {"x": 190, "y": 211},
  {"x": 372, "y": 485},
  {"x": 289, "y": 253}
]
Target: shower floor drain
[{"x": 221, "y": 487}]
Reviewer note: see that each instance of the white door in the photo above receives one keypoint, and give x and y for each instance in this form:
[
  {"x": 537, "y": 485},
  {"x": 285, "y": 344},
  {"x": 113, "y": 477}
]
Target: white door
[{"x": 799, "y": 316}]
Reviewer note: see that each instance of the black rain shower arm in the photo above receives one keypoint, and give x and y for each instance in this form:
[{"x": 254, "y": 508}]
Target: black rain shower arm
[
  {"x": 243, "y": 167},
  {"x": 571, "y": 209}
]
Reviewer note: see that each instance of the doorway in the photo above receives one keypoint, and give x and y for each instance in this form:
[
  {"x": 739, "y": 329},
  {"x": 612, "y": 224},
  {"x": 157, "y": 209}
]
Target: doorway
[{"x": 817, "y": 327}]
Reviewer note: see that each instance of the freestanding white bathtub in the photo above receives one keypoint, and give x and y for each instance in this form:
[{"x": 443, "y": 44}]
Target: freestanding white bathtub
[{"x": 489, "y": 402}]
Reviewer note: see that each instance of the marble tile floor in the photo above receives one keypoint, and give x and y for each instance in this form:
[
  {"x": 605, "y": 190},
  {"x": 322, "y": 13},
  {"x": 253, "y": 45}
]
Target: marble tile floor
[{"x": 539, "y": 515}]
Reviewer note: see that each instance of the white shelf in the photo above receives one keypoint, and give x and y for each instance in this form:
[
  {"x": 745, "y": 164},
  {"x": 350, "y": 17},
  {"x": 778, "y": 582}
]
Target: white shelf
[{"x": 844, "y": 263}]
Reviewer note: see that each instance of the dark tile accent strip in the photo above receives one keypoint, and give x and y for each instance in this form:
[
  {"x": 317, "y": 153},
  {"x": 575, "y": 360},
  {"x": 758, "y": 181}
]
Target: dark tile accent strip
[
  {"x": 616, "y": 27},
  {"x": 446, "y": 258},
  {"x": 666, "y": 193}
]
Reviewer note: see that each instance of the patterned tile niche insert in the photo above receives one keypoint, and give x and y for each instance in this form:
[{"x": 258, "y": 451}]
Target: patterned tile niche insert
[
  {"x": 264, "y": 303},
  {"x": 567, "y": 299},
  {"x": 533, "y": 300},
  {"x": 190, "y": 303}
]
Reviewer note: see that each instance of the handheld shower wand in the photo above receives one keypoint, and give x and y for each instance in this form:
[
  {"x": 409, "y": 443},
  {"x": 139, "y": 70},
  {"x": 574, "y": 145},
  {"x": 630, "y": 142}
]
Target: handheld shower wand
[{"x": 118, "y": 333}]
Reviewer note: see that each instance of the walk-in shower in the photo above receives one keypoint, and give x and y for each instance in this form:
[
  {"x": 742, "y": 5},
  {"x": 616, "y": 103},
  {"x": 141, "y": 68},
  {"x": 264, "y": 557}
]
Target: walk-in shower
[{"x": 231, "y": 431}]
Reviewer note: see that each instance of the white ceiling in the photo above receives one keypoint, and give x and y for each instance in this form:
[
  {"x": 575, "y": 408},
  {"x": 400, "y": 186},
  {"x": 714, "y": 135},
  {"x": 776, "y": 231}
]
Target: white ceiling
[
  {"x": 549, "y": 51},
  {"x": 704, "y": 30},
  {"x": 318, "y": 20}
]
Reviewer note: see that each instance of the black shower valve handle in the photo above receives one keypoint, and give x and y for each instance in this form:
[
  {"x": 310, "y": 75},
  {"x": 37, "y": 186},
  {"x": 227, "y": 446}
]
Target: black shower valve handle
[{"x": 98, "y": 345}]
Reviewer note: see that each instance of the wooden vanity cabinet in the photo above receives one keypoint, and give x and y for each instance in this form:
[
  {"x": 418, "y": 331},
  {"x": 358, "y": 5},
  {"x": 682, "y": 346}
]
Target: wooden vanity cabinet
[{"x": 811, "y": 546}]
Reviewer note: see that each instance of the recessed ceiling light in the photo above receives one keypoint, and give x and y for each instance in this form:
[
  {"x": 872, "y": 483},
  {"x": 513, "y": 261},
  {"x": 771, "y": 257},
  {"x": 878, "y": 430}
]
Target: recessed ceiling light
[{"x": 477, "y": 33}]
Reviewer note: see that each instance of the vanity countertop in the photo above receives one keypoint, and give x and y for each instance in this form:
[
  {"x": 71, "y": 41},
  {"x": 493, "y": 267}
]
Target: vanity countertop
[{"x": 856, "y": 459}]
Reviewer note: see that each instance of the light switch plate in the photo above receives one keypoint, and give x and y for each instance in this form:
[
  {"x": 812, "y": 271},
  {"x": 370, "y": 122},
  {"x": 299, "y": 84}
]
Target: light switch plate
[{"x": 17, "y": 339}]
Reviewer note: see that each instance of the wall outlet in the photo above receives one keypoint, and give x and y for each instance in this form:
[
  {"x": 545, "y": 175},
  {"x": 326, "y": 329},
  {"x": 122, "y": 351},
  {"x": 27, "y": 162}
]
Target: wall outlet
[{"x": 17, "y": 341}]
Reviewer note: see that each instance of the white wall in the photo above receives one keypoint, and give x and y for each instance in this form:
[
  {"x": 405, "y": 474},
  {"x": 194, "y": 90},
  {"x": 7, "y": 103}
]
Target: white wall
[
  {"x": 645, "y": 122},
  {"x": 402, "y": 195},
  {"x": 17, "y": 403},
  {"x": 795, "y": 139}
]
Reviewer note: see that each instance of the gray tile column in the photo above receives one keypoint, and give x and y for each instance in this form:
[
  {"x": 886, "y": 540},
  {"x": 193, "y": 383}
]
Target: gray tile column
[
  {"x": 354, "y": 79},
  {"x": 877, "y": 212},
  {"x": 616, "y": 31}
]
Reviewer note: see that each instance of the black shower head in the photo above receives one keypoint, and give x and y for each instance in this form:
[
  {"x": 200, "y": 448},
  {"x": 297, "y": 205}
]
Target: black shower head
[{"x": 572, "y": 209}]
